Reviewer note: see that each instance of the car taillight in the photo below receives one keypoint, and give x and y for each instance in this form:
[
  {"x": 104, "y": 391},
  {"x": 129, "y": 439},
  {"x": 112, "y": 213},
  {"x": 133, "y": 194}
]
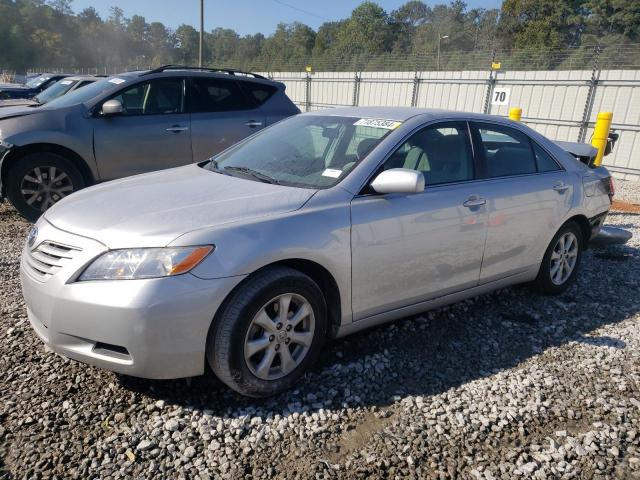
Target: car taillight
[{"x": 612, "y": 188}]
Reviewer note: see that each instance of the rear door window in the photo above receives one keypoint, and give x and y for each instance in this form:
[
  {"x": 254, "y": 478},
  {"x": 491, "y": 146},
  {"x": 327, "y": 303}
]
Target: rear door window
[
  {"x": 544, "y": 160},
  {"x": 507, "y": 151},
  {"x": 216, "y": 95}
]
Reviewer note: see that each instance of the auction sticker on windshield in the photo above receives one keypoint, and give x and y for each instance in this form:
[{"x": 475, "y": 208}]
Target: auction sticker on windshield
[
  {"x": 332, "y": 172},
  {"x": 378, "y": 123}
]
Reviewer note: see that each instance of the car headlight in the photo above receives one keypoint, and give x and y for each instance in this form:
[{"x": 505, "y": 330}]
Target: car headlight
[
  {"x": 137, "y": 263},
  {"x": 4, "y": 146}
]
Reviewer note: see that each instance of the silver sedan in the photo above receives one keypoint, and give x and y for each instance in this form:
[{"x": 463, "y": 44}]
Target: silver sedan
[{"x": 317, "y": 227}]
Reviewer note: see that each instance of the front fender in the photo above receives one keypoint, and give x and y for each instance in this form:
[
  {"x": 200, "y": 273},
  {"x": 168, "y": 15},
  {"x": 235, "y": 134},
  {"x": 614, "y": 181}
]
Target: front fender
[{"x": 320, "y": 235}]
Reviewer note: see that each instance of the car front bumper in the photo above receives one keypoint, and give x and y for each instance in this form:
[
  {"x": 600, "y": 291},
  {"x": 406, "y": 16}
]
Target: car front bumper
[{"x": 153, "y": 328}]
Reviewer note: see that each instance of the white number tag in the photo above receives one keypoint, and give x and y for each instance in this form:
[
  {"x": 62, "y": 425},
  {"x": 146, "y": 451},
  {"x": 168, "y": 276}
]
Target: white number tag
[{"x": 501, "y": 96}]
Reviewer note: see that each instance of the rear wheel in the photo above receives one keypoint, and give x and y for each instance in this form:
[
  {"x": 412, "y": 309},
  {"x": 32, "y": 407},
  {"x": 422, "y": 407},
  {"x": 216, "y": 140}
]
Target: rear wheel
[
  {"x": 268, "y": 333},
  {"x": 561, "y": 260},
  {"x": 39, "y": 180}
]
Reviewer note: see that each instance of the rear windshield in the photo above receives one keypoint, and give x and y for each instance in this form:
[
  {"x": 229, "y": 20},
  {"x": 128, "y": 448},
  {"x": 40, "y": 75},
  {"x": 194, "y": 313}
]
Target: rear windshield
[{"x": 306, "y": 151}]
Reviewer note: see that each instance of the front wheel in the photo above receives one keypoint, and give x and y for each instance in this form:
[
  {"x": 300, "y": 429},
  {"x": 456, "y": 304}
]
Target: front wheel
[
  {"x": 560, "y": 264},
  {"x": 36, "y": 181},
  {"x": 268, "y": 333}
]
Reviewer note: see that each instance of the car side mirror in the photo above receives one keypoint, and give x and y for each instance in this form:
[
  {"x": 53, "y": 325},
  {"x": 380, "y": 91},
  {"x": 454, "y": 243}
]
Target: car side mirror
[
  {"x": 399, "y": 180},
  {"x": 111, "y": 107}
]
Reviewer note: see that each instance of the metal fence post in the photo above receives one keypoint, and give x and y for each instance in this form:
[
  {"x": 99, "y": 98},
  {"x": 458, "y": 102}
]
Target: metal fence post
[
  {"x": 356, "y": 90},
  {"x": 414, "y": 92},
  {"x": 591, "y": 95},
  {"x": 307, "y": 93},
  {"x": 491, "y": 83}
]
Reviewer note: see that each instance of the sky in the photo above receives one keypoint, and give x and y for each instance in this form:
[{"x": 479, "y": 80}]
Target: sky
[{"x": 246, "y": 16}]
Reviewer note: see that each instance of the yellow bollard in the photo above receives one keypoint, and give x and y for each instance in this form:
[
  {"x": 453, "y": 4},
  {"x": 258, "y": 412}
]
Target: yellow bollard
[
  {"x": 515, "y": 114},
  {"x": 601, "y": 134}
]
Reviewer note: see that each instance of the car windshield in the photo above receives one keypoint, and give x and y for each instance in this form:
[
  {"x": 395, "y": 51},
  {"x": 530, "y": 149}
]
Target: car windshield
[
  {"x": 56, "y": 90},
  {"x": 306, "y": 151},
  {"x": 36, "y": 82},
  {"x": 81, "y": 95}
]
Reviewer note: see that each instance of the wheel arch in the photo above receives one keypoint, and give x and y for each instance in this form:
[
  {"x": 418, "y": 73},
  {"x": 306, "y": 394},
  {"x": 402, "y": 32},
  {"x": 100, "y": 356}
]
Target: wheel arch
[
  {"x": 585, "y": 227},
  {"x": 319, "y": 274},
  {"x": 16, "y": 153}
]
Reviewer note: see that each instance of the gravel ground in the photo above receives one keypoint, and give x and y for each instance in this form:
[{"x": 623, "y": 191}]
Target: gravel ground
[
  {"x": 627, "y": 191},
  {"x": 506, "y": 385}
]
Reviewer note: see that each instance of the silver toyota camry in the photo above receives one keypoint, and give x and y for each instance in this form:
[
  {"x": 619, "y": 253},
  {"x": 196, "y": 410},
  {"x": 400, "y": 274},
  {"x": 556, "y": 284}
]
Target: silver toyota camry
[{"x": 314, "y": 228}]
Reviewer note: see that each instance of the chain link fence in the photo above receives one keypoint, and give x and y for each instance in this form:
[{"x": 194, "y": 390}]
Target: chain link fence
[{"x": 560, "y": 91}]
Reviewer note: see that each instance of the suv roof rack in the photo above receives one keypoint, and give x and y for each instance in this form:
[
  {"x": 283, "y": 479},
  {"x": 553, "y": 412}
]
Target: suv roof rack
[{"x": 228, "y": 71}]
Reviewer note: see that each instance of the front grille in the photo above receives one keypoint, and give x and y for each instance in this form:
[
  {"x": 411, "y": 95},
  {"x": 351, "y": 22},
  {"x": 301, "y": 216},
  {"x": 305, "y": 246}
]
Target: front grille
[{"x": 49, "y": 257}]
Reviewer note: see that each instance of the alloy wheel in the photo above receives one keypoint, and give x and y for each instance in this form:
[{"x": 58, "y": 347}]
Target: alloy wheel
[
  {"x": 279, "y": 336},
  {"x": 564, "y": 258},
  {"x": 43, "y": 186}
]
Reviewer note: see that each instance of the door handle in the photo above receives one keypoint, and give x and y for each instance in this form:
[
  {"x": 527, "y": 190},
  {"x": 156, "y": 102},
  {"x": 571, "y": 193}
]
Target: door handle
[
  {"x": 561, "y": 187},
  {"x": 253, "y": 124},
  {"x": 177, "y": 129},
  {"x": 474, "y": 201}
]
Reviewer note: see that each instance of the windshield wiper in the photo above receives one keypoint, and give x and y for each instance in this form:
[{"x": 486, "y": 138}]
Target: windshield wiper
[{"x": 253, "y": 173}]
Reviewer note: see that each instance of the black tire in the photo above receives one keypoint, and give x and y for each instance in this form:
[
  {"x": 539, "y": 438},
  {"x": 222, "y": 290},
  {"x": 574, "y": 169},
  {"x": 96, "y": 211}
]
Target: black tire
[
  {"x": 544, "y": 282},
  {"x": 44, "y": 160},
  {"x": 226, "y": 339}
]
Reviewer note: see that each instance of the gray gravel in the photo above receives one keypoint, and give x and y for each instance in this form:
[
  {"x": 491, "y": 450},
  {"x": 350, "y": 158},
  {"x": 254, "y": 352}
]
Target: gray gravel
[
  {"x": 628, "y": 191},
  {"x": 507, "y": 385}
]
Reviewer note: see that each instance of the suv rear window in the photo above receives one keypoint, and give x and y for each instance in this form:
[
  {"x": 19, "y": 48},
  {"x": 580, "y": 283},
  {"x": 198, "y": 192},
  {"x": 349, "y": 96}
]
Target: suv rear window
[{"x": 258, "y": 92}]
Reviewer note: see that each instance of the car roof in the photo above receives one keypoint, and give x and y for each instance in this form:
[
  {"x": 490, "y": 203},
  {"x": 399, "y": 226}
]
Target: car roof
[
  {"x": 84, "y": 77},
  {"x": 401, "y": 114}
]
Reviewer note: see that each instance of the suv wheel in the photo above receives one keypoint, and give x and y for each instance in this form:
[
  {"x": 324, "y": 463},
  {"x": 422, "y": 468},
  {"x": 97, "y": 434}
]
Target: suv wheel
[
  {"x": 561, "y": 260},
  {"x": 268, "y": 333},
  {"x": 37, "y": 181}
]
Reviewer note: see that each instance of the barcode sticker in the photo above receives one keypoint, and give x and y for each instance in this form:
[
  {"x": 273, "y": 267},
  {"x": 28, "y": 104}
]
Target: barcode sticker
[
  {"x": 332, "y": 172},
  {"x": 378, "y": 123}
]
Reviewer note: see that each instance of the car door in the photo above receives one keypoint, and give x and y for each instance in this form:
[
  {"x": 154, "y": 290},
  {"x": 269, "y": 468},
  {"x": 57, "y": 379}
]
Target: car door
[
  {"x": 152, "y": 133},
  {"x": 407, "y": 248},
  {"x": 221, "y": 114},
  {"x": 527, "y": 198}
]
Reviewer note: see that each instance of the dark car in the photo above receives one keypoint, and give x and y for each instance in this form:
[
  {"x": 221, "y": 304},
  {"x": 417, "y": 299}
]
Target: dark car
[
  {"x": 131, "y": 123},
  {"x": 32, "y": 88},
  {"x": 61, "y": 87}
]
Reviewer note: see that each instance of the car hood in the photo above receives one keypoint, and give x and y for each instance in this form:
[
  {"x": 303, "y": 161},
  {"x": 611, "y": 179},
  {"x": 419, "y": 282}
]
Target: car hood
[
  {"x": 16, "y": 111},
  {"x": 14, "y": 88},
  {"x": 17, "y": 102},
  {"x": 153, "y": 209}
]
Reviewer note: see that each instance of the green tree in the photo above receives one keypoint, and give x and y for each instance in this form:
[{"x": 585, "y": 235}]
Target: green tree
[
  {"x": 187, "y": 44},
  {"x": 367, "y": 31}
]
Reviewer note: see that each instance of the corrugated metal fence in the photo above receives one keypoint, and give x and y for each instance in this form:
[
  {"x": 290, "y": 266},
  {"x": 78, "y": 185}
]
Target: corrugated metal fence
[{"x": 559, "y": 104}]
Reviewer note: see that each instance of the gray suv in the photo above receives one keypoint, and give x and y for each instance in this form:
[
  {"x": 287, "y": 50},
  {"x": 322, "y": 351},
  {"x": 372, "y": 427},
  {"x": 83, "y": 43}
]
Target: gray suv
[{"x": 128, "y": 124}]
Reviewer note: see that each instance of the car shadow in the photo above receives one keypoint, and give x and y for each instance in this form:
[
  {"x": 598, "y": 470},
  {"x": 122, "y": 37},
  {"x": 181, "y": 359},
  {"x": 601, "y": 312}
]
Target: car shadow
[{"x": 438, "y": 350}]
